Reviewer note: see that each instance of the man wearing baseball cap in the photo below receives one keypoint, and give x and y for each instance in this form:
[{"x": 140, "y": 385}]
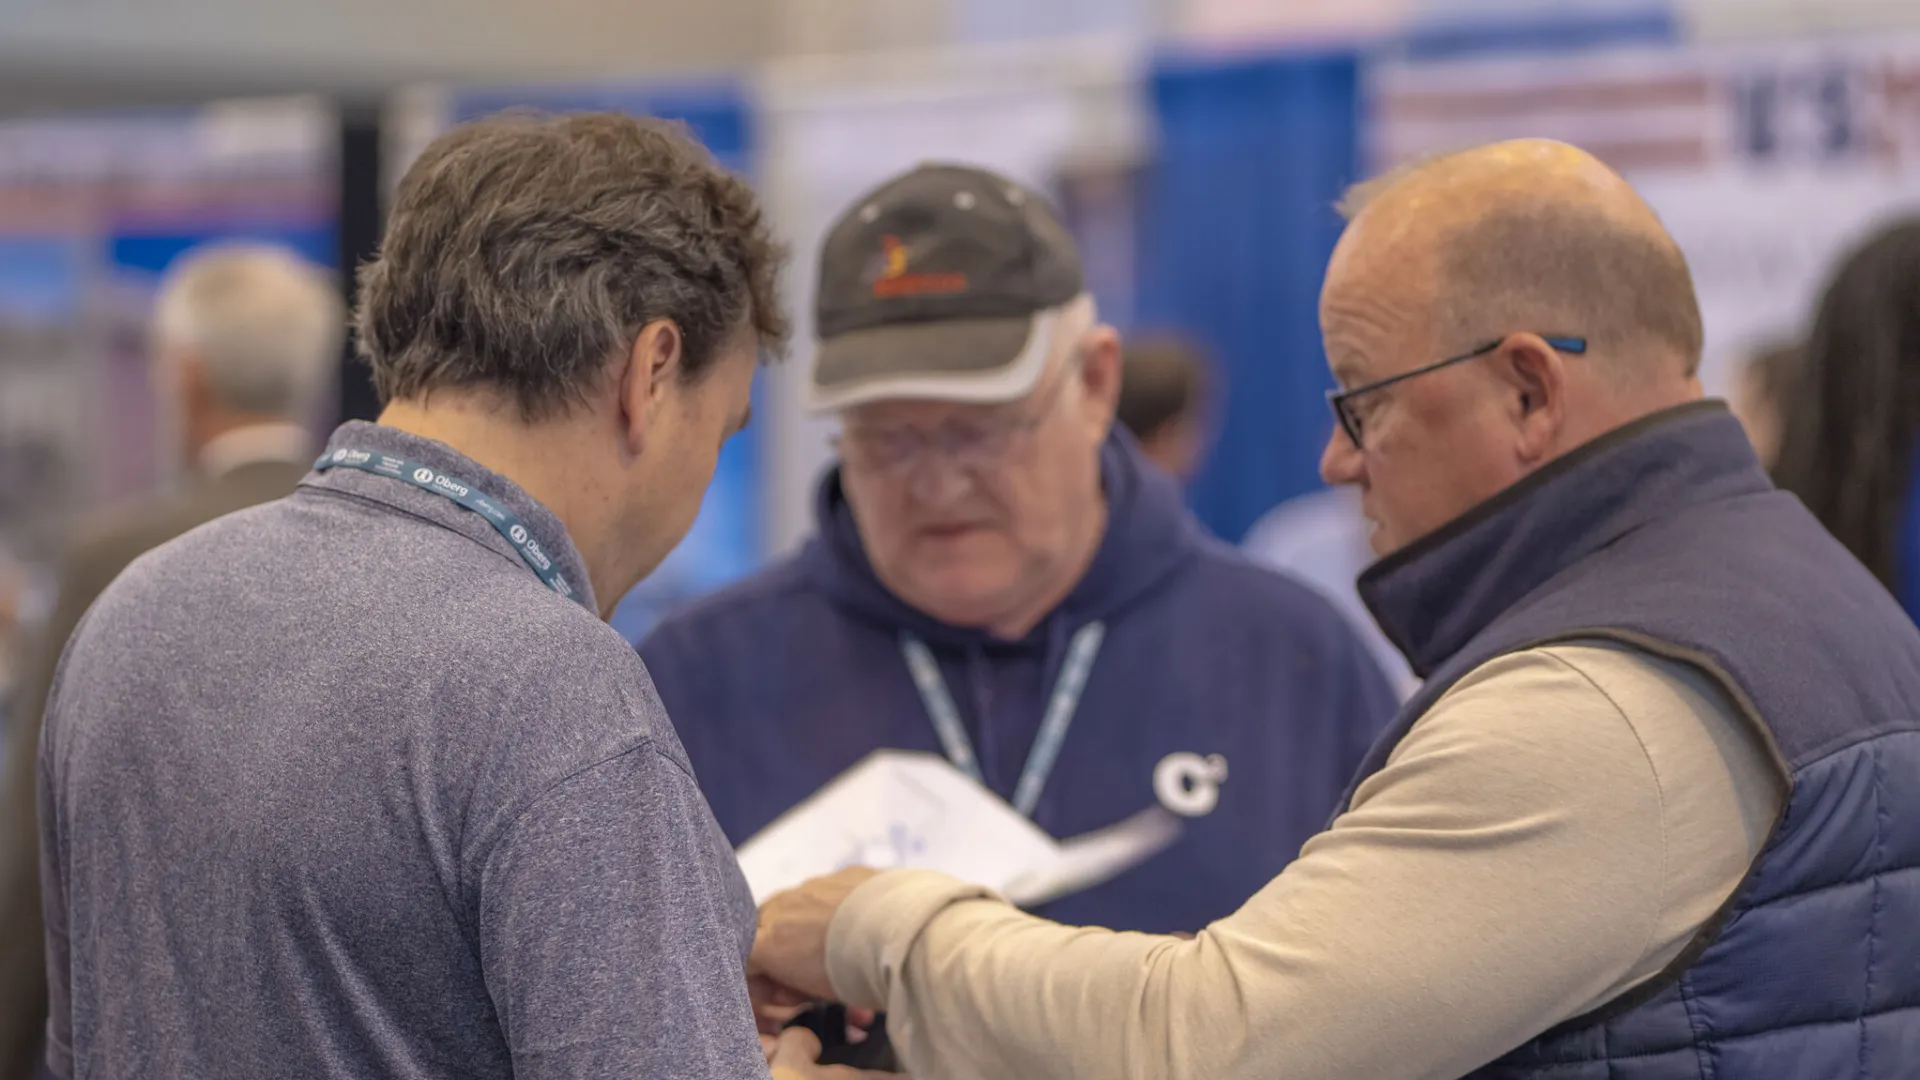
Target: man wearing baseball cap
[{"x": 999, "y": 577}]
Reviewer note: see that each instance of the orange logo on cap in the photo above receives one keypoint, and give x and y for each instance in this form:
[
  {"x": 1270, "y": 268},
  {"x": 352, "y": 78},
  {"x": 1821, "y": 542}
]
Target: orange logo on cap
[
  {"x": 895, "y": 254},
  {"x": 894, "y": 280}
]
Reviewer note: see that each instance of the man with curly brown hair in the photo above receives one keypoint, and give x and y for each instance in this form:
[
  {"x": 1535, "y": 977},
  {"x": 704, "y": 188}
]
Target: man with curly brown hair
[{"x": 359, "y": 783}]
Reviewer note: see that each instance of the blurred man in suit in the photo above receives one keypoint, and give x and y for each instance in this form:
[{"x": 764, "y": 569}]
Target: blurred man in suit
[{"x": 245, "y": 340}]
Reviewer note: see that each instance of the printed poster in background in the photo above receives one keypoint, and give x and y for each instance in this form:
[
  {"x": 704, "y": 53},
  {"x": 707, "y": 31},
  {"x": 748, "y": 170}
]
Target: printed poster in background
[
  {"x": 93, "y": 209},
  {"x": 725, "y": 542},
  {"x": 1767, "y": 161}
]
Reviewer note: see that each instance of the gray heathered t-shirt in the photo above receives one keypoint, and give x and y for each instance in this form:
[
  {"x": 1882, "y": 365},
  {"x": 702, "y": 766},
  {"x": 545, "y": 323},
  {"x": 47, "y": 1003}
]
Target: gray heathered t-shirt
[{"x": 336, "y": 787}]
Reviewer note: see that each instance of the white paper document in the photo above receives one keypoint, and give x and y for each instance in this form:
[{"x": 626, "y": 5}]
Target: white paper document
[{"x": 899, "y": 808}]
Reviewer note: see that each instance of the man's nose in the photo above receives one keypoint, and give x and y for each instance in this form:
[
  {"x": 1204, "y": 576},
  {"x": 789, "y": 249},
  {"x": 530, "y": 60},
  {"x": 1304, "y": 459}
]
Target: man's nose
[
  {"x": 936, "y": 480},
  {"x": 1341, "y": 462}
]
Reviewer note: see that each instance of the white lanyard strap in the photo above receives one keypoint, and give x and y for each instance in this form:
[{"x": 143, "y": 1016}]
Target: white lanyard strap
[{"x": 1061, "y": 705}]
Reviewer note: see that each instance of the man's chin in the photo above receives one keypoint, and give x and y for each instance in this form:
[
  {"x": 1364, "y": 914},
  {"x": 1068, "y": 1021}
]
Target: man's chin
[
  {"x": 959, "y": 603},
  {"x": 1380, "y": 540}
]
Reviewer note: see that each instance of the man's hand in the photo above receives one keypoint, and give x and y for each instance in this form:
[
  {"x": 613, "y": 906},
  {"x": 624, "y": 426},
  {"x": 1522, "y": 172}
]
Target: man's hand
[
  {"x": 795, "y": 1055},
  {"x": 789, "y": 961}
]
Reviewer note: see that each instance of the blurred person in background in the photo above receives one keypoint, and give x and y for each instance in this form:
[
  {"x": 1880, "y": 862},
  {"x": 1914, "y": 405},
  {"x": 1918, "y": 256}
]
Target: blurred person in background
[
  {"x": 359, "y": 783},
  {"x": 1650, "y": 814},
  {"x": 1000, "y": 576},
  {"x": 14, "y": 604},
  {"x": 1163, "y": 402},
  {"x": 1850, "y": 440},
  {"x": 246, "y": 340},
  {"x": 1322, "y": 539},
  {"x": 20, "y": 615},
  {"x": 1760, "y": 395}
]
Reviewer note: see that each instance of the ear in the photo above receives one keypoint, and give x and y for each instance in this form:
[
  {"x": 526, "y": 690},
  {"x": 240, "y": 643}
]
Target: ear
[
  {"x": 655, "y": 362},
  {"x": 1100, "y": 376},
  {"x": 1535, "y": 375}
]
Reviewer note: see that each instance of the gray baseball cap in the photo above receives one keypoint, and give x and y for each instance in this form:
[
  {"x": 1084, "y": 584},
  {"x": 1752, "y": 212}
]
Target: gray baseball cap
[{"x": 941, "y": 284}]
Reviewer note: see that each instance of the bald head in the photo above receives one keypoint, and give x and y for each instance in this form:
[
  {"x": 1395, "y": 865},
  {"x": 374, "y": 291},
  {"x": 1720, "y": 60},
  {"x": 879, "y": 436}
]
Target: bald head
[
  {"x": 1529, "y": 235},
  {"x": 1444, "y": 312}
]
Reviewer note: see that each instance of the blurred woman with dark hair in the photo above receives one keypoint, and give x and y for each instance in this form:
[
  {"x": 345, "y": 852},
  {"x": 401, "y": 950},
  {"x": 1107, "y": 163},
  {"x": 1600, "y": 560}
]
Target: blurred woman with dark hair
[{"x": 1851, "y": 435}]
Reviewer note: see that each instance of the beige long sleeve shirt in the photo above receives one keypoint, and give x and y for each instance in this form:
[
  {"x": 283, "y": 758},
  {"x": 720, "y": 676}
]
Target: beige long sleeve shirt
[{"x": 1551, "y": 833}]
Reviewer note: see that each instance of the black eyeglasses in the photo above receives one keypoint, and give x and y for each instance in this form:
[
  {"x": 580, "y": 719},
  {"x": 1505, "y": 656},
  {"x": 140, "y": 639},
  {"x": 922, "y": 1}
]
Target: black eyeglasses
[{"x": 1340, "y": 400}]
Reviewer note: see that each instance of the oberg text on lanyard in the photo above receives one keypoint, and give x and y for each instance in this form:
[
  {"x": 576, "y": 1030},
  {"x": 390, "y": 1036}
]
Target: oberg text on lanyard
[
  {"x": 454, "y": 489},
  {"x": 1053, "y": 723}
]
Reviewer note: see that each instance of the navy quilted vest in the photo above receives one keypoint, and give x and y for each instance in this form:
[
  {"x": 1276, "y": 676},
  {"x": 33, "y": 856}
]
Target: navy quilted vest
[{"x": 1667, "y": 535}]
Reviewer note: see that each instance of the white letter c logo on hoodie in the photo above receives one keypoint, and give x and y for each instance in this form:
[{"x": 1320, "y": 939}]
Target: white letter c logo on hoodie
[{"x": 1188, "y": 784}]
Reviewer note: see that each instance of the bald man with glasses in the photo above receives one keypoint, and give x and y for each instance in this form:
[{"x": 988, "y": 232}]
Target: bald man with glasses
[{"x": 1000, "y": 578}]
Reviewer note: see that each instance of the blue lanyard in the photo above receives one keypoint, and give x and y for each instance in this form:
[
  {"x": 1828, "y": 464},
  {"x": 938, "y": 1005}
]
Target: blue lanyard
[
  {"x": 1054, "y": 723},
  {"x": 427, "y": 478}
]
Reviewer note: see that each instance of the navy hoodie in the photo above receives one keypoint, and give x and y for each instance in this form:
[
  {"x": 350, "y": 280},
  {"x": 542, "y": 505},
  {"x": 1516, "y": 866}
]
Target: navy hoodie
[{"x": 781, "y": 682}]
